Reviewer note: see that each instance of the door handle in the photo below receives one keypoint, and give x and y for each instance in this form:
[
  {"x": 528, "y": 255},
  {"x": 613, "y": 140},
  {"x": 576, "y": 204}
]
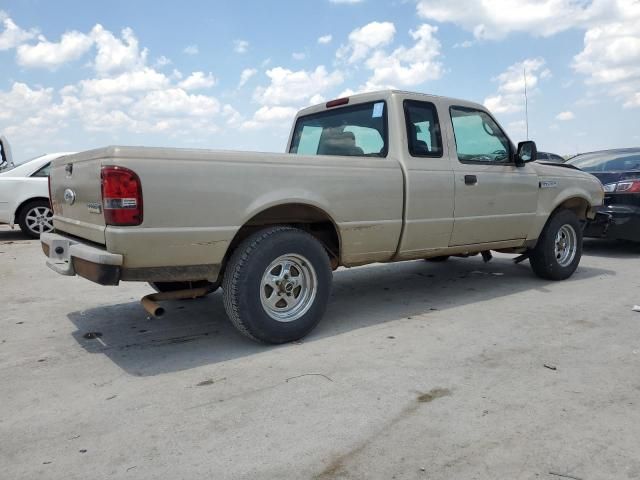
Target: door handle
[{"x": 470, "y": 179}]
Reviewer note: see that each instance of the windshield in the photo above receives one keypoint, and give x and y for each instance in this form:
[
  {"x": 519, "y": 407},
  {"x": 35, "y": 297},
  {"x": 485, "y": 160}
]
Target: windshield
[
  {"x": 359, "y": 130},
  {"x": 607, "y": 161}
]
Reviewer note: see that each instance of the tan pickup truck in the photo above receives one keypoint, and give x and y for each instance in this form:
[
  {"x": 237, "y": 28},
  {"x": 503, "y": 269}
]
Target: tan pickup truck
[{"x": 378, "y": 177}]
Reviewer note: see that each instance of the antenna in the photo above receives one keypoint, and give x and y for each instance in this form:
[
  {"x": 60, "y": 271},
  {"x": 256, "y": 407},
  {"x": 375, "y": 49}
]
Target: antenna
[{"x": 526, "y": 102}]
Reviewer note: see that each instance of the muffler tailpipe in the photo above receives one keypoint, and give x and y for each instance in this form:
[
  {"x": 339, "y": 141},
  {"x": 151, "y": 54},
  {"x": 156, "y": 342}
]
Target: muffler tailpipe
[{"x": 150, "y": 302}]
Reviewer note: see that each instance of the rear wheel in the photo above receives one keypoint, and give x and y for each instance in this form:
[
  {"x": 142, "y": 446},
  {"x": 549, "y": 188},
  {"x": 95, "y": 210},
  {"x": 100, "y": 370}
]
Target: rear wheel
[
  {"x": 559, "y": 248},
  {"x": 276, "y": 285},
  {"x": 36, "y": 218},
  {"x": 164, "y": 287}
]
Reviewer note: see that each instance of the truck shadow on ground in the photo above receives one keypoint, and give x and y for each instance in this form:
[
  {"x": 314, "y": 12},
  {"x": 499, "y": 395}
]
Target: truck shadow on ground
[
  {"x": 197, "y": 332},
  {"x": 611, "y": 248},
  {"x": 8, "y": 236}
]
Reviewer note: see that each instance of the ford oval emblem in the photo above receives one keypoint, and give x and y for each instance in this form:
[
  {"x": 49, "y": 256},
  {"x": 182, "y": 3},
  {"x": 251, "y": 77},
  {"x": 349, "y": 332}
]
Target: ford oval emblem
[{"x": 69, "y": 196}]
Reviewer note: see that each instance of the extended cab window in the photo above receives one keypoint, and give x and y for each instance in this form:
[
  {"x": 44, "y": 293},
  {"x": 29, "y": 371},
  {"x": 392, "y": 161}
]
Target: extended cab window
[
  {"x": 423, "y": 129},
  {"x": 358, "y": 130},
  {"x": 478, "y": 137}
]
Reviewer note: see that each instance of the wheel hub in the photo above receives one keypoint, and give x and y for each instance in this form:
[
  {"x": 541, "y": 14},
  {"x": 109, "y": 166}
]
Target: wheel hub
[
  {"x": 288, "y": 288},
  {"x": 566, "y": 244}
]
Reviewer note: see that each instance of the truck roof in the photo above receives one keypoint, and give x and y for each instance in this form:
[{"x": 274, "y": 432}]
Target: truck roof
[{"x": 384, "y": 94}]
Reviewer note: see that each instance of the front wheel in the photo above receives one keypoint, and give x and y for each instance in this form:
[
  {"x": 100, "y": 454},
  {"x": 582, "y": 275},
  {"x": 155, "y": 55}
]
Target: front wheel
[
  {"x": 559, "y": 248},
  {"x": 276, "y": 285}
]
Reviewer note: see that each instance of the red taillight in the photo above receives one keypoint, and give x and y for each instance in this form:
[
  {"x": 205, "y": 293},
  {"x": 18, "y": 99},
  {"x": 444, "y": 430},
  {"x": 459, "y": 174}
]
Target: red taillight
[
  {"x": 121, "y": 196},
  {"x": 628, "y": 186}
]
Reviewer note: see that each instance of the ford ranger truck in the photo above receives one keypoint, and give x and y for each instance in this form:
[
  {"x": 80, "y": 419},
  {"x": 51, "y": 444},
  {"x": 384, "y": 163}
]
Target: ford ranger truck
[{"x": 378, "y": 177}]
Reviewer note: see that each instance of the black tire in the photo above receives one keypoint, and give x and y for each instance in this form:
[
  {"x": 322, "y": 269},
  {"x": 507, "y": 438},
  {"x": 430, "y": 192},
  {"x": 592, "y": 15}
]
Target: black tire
[
  {"x": 244, "y": 290},
  {"x": 35, "y": 208},
  {"x": 442, "y": 258},
  {"x": 543, "y": 259},
  {"x": 163, "y": 287}
]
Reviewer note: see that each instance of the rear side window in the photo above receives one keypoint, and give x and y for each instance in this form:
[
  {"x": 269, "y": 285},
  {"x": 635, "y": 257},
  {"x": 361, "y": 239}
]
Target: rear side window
[
  {"x": 423, "y": 129},
  {"x": 359, "y": 130},
  {"x": 478, "y": 137},
  {"x": 43, "y": 172}
]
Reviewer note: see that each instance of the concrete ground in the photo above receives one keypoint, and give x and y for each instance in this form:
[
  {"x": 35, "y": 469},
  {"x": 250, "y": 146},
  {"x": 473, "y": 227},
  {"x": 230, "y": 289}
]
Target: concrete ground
[{"x": 457, "y": 370}]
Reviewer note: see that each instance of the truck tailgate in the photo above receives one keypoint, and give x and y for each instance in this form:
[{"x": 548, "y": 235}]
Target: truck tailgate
[{"x": 76, "y": 196}]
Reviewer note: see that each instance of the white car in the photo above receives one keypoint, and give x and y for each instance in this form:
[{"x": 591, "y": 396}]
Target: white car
[{"x": 24, "y": 195}]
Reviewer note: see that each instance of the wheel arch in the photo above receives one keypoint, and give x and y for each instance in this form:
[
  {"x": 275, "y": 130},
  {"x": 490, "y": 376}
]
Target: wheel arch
[
  {"x": 578, "y": 204},
  {"x": 310, "y": 218},
  {"x": 23, "y": 204}
]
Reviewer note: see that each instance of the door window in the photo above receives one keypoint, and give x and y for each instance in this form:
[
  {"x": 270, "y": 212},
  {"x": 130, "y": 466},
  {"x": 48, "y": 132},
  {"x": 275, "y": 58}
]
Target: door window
[
  {"x": 478, "y": 137},
  {"x": 423, "y": 129}
]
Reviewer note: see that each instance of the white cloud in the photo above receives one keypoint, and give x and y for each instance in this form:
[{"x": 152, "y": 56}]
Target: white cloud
[
  {"x": 564, "y": 116},
  {"x": 45, "y": 54},
  {"x": 13, "y": 35},
  {"x": 292, "y": 88},
  {"x": 363, "y": 40},
  {"x": 125, "y": 96},
  {"x": 191, "y": 50},
  {"x": 270, "y": 115},
  {"x": 246, "y": 75},
  {"x": 465, "y": 44},
  {"x": 324, "y": 39},
  {"x": 114, "y": 54},
  {"x": 407, "y": 67},
  {"x": 175, "y": 101},
  {"x": 240, "y": 46},
  {"x": 140, "y": 80},
  {"x": 163, "y": 61},
  {"x": 494, "y": 20},
  {"x": 610, "y": 59},
  {"x": 298, "y": 55},
  {"x": 510, "y": 95},
  {"x": 232, "y": 116},
  {"x": 22, "y": 99},
  {"x": 267, "y": 114},
  {"x": 198, "y": 80}
]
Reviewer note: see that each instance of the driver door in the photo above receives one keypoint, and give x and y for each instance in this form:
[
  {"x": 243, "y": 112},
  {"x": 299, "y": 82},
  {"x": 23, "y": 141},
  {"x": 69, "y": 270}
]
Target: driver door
[{"x": 494, "y": 200}]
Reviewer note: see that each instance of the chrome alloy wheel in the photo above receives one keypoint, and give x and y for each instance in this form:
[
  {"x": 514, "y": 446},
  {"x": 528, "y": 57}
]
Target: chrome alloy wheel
[
  {"x": 39, "y": 220},
  {"x": 288, "y": 287},
  {"x": 566, "y": 245}
]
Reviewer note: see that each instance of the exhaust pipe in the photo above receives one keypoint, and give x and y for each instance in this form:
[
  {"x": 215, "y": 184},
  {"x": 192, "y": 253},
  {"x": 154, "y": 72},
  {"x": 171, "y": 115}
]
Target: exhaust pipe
[{"x": 150, "y": 302}]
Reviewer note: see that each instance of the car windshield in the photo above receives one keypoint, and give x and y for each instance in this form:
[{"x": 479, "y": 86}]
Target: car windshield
[
  {"x": 607, "y": 161},
  {"x": 358, "y": 130}
]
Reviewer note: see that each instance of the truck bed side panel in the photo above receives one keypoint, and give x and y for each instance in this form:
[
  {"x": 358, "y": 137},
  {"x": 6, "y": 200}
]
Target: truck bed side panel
[{"x": 195, "y": 201}]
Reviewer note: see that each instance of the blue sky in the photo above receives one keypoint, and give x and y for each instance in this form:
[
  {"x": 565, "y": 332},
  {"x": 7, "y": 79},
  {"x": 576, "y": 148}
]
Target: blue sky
[{"x": 79, "y": 75}]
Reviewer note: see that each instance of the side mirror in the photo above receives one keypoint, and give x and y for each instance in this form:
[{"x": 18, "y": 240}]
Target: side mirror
[{"x": 527, "y": 152}]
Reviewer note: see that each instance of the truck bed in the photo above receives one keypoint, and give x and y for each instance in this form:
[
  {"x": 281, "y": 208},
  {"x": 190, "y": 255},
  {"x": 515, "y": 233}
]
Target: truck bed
[{"x": 196, "y": 200}]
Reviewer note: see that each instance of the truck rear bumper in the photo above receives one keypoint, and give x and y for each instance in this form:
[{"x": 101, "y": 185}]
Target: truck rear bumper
[{"x": 68, "y": 256}]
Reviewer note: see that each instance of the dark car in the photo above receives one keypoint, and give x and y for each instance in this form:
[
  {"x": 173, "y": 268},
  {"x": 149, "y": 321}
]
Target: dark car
[
  {"x": 549, "y": 157},
  {"x": 619, "y": 172}
]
